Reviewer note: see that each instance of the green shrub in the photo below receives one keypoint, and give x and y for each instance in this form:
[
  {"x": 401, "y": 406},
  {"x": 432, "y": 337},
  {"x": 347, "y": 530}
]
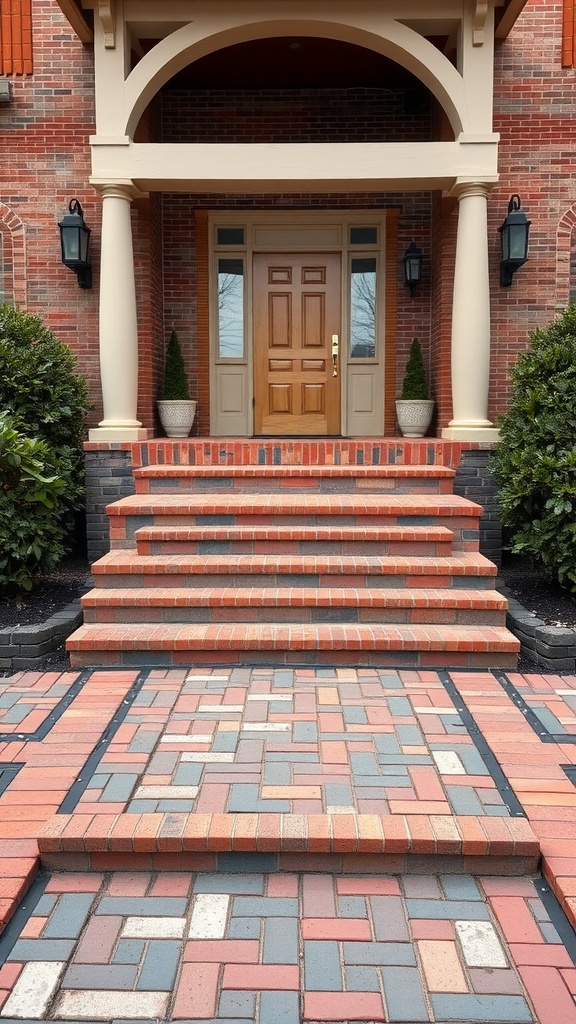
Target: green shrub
[
  {"x": 175, "y": 386},
  {"x": 414, "y": 385},
  {"x": 535, "y": 462},
  {"x": 44, "y": 397},
  {"x": 32, "y": 530}
]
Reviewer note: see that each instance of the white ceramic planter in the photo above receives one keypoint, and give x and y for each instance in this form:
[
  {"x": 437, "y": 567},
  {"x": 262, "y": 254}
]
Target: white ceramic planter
[
  {"x": 177, "y": 417},
  {"x": 414, "y": 416}
]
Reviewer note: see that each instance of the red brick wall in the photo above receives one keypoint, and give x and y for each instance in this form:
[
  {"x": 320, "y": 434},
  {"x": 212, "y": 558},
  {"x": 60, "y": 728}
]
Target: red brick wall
[
  {"x": 534, "y": 113},
  {"x": 45, "y": 131}
]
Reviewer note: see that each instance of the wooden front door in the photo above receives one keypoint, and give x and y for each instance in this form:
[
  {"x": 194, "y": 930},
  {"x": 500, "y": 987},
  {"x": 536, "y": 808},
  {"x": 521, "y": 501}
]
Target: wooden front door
[{"x": 297, "y": 326}]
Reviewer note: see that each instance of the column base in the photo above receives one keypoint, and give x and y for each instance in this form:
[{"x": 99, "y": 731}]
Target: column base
[
  {"x": 119, "y": 434},
  {"x": 464, "y": 433}
]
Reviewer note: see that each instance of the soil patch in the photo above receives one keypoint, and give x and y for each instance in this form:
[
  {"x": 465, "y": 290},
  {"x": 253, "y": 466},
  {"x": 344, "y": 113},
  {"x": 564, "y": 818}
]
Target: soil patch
[
  {"x": 51, "y": 592},
  {"x": 548, "y": 601}
]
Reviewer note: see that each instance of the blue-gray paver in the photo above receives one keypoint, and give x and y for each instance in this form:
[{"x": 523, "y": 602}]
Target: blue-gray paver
[
  {"x": 247, "y": 885},
  {"x": 128, "y": 951},
  {"x": 119, "y": 977},
  {"x": 160, "y": 965},
  {"x": 322, "y": 968},
  {"x": 403, "y": 994},
  {"x": 456, "y": 910},
  {"x": 400, "y": 954},
  {"x": 234, "y": 1003},
  {"x": 493, "y": 1009},
  {"x": 246, "y": 906},
  {"x": 69, "y": 917},
  {"x": 142, "y": 906},
  {"x": 362, "y": 979},
  {"x": 279, "y": 1008},
  {"x": 280, "y": 941}
]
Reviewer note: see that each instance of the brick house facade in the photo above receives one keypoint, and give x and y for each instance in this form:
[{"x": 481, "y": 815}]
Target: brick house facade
[{"x": 47, "y": 123}]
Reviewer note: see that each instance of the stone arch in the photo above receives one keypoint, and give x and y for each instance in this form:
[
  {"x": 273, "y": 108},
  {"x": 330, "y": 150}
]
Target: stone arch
[
  {"x": 12, "y": 229},
  {"x": 391, "y": 39},
  {"x": 566, "y": 258}
]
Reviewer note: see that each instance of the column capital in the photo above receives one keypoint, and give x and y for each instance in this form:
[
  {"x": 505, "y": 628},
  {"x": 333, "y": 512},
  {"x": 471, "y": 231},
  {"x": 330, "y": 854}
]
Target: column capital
[
  {"x": 464, "y": 189},
  {"x": 118, "y": 190}
]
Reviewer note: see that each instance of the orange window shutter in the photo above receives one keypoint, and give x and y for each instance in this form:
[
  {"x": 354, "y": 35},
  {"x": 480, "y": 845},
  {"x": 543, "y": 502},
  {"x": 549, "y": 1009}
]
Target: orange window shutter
[
  {"x": 568, "y": 33},
  {"x": 16, "y": 37}
]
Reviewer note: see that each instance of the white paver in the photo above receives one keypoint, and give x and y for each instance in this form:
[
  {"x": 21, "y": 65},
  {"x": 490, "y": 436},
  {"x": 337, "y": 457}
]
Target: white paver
[
  {"x": 286, "y": 697},
  {"x": 220, "y": 709},
  {"x": 340, "y": 809},
  {"x": 154, "y": 928},
  {"x": 266, "y": 727},
  {"x": 437, "y": 711},
  {"x": 34, "y": 989},
  {"x": 207, "y": 679},
  {"x": 190, "y": 738},
  {"x": 480, "y": 944},
  {"x": 166, "y": 793},
  {"x": 209, "y": 916},
  {"x": 198, "y": 756},
  {"x": 448, "y": 762},
  {"x": 90, "y": 1004}
]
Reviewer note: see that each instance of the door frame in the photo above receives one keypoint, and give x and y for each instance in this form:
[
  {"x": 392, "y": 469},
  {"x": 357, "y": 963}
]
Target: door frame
[{"x": 294, "y": 231}]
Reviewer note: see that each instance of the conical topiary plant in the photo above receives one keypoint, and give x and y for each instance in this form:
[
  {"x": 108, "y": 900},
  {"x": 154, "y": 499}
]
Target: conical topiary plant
[
  {"x": 175, "y": 386},
  {"x": 414, "y": 409},
  {"x": 176, "y": 409},
  {"x": 414, "y": 385}
]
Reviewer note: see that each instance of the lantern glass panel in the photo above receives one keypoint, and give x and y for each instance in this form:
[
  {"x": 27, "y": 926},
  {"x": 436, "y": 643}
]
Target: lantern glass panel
[{"x": 518, "y": 241}]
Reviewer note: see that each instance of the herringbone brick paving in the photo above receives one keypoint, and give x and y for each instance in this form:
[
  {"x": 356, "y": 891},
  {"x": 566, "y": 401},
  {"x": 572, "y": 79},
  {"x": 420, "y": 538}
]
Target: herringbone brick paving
[{"x": 438, "y": 944}]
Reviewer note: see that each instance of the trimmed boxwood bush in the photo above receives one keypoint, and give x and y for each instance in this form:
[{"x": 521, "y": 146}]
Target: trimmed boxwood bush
[
  {"x": 45, "y": 402},
  {"x": 535, "y": 462},
  {"x": 32, "y": 530},
  {"x": 175, "y": 385}
]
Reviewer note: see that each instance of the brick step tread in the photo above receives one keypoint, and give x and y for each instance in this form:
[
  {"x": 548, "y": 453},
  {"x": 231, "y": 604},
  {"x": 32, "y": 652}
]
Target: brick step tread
[
  {"x": 275, "y": 504},
  {"x": 128, "y": 562},
  {"x": 181, "y": 832},
  {"x": 414, "y": 534},
  {"x": 292, "y": 597},
  {"x": 266, "y": 472},
  {"x": 290, "y": 636}
]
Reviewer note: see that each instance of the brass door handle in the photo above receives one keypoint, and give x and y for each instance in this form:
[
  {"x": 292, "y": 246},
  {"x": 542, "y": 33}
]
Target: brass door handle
[{"x": 335, "y": 353}]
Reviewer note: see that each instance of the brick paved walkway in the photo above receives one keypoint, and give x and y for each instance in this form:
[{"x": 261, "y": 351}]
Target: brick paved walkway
[{"x": 304, "y": 842}]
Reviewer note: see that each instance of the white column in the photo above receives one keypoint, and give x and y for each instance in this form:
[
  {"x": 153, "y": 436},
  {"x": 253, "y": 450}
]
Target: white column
[
  {"x": 118, "y": 324},
  {"x": 471, "y": 320}
]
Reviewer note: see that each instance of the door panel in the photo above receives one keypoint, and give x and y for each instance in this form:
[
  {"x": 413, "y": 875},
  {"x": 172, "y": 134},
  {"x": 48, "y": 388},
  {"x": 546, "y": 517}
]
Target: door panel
[{"x": 297, "y": 311}]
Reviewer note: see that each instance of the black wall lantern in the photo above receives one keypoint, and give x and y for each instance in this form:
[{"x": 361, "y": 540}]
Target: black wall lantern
[
  {"x": 412, "y": 261},
  {"x": 514, "y": 241},
  {"x": 75, "y": 242}
]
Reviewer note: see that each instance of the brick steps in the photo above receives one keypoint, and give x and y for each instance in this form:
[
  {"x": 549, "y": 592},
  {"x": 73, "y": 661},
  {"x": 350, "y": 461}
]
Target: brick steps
[
  {"x": 298, "y": 604},
  {"x": 400, "y": 479},
  {"x": 89, "y": 841},
  {"x": 392, "y": 540},
  {"x": 126, "y": 568},
  {"x": 362, "y": 644},
  {"x": 302, "y": 564}
]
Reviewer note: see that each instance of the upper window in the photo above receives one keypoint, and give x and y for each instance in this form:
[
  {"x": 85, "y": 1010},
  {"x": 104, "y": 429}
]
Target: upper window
[
  {"x": 364, "y": 236},
  {"x": 16, "y": 37},
  {"x": 230, "y": 236}
]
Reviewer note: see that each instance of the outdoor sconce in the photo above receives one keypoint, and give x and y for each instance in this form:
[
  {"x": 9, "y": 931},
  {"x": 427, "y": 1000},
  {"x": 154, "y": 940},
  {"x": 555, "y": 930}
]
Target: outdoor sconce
[
  {"x": 75, "y": 242},
  {"x": 514, "y": 241},
  {"x": 412, "y": 261}
]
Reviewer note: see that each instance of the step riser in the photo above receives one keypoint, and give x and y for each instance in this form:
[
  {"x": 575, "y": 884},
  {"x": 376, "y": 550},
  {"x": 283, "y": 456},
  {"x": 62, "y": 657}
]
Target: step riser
[
  {"x": 464, "y": 528},
  {"x": 359, "y": 658},
  {"x": 468, "y": 581},
  {"x": 262, "y": 485},
  {"x": 444, "y": 616},
  {"x": 262, "y": 547}
]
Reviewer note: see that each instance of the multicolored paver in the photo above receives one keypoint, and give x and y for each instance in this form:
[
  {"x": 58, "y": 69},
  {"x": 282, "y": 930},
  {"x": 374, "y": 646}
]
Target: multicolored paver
[
  {"x": 293, "y": 742},
  {"x": 281, "y": 949},
  {"x": 167, "y": 761}
]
